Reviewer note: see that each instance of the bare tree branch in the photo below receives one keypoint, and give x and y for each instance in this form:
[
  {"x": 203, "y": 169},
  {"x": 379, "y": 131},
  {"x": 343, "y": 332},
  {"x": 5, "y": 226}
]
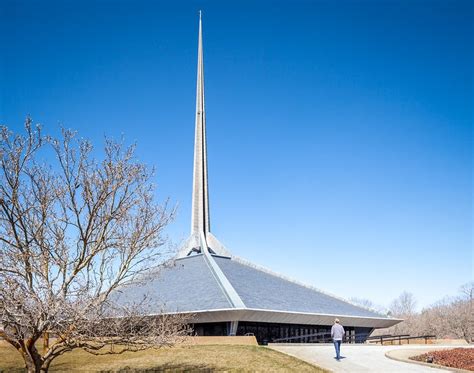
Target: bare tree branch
[{"x": 71, "y": 232}]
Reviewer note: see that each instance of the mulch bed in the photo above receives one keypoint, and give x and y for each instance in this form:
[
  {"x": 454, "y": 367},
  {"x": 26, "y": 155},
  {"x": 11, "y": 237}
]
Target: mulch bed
[{"x": 461, "y": 358}]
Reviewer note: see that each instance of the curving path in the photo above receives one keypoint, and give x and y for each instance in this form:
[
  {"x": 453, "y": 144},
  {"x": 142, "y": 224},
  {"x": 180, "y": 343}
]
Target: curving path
[{"x": 360, "y": 358}]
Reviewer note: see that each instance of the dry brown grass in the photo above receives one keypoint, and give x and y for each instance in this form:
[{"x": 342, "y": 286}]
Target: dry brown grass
[
  {"x": 203, "y": 358},
  {"x": 235, "y": 340}
]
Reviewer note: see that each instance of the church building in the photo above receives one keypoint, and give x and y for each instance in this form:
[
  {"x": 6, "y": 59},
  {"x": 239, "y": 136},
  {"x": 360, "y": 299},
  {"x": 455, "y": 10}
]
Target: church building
[{"x": 227, "y": 295}]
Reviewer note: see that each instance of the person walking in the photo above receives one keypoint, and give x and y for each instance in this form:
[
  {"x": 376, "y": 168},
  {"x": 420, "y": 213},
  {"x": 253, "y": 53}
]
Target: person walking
[{"x": 337, "y": 333}]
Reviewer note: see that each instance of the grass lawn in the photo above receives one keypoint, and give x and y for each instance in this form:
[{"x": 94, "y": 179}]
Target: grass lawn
[{"x": 208, "y": 358}]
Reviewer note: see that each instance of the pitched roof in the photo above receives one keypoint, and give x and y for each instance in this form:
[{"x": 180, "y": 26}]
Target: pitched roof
[
  {"x": 262, "y": 290},
  {"x": 190, "y": 285},
  {"x": 187, "y": 285}
]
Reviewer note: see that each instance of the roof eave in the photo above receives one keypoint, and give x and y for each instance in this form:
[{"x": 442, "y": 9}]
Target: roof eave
[{"x": 287, "y": 317}]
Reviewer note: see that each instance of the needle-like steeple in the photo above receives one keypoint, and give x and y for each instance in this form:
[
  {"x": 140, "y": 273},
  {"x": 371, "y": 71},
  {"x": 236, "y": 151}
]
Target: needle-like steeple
[
  {"x": 200, "y": 207},
  {"x": 201, "y": 239}
]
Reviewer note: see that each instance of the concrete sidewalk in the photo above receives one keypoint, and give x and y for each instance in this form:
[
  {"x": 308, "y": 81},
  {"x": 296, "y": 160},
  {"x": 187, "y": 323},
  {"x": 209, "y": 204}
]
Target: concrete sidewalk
[{"x": 361, "y": 358}]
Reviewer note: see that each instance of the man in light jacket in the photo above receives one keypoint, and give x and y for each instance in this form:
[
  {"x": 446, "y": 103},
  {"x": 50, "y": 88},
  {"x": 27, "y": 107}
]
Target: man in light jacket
[{"x": 337, "y": 333}]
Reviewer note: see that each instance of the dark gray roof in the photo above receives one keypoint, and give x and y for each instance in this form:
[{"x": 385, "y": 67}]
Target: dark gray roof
[
  {"x": 263, "y": 290},
  {"x": 191, "y": 285},
  {"x": 187, "y": 285}
]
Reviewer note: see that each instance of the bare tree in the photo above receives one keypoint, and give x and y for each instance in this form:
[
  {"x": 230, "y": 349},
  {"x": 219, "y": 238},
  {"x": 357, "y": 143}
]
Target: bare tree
[
  {"x": 404, "y": 307},
  {"x": 72, "y": 231},
  {"x": 466, "y": 310},
  {"x": 450, "y": 317},
  {"x": 367, "y": 303}
]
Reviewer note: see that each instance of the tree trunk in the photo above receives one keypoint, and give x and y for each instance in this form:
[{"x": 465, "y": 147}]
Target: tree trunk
[
  {"x": 34, "y": 362},
  {"x": 46, "y": 364},
  {"x": 32, "y": 366}
]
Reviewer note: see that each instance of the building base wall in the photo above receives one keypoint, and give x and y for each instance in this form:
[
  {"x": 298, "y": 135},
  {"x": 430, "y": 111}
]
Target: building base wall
[{"x": 281, "y": 333}]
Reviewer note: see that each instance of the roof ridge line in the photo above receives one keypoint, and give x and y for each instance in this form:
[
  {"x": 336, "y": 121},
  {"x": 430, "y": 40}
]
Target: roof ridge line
[
  {"x": 297, "y": 282},
  {"x": 228, "y": 289},
  {"x": 216, "y": 278}
]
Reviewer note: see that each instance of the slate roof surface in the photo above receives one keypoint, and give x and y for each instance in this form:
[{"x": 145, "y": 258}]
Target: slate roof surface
[
  {"x": 190, "y": 285},
  {"x": 262, "y": 290}
]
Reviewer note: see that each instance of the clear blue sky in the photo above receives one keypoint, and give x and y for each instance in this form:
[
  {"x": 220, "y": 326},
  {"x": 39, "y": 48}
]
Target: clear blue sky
[{"x": 339, "y": 132}]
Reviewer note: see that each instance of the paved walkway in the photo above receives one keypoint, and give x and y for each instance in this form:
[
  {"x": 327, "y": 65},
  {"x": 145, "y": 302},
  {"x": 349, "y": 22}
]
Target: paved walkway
[{"x": 360, "y": 358}]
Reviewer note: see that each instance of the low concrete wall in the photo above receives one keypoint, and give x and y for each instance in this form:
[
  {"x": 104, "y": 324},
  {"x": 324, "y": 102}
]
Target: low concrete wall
[{"x": 234, "y": 340}]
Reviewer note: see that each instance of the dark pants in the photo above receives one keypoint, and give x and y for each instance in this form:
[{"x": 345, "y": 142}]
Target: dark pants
[{"x": 337, "y": 345}]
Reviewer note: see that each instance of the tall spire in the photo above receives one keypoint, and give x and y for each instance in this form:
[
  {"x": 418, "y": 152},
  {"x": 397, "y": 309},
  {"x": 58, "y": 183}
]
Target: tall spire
[
  {"x": 200, "y": 206},
  {"x": 201, "y": 241}
]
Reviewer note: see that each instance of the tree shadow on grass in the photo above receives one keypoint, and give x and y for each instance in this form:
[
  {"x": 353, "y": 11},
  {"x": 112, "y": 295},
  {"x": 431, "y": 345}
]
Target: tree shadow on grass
[
  {"x": 12, "y": 370},
  {"x": 165, "y": 368}
]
